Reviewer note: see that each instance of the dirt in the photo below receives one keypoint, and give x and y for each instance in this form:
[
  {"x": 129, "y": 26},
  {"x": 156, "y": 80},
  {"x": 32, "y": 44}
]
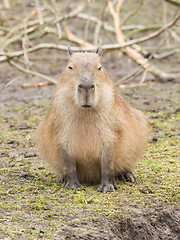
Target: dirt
[{"x": 33, "y": 204}]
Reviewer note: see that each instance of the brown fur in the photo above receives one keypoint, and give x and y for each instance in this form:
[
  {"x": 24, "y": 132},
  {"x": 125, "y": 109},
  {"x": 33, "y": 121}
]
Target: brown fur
[{"x": 83, "y": 132}]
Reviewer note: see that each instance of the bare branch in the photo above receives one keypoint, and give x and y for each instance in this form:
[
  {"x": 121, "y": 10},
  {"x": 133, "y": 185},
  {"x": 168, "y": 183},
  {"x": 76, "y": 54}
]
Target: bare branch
[
  {"x": 175, "y": 36},
  {"x": 96, "y": 32},
  {"x": 176, "y": 3},
  {"x": 25, "y": 49},
  {"x": 5, "y": 55},
  {"x": 47, "y": 20},
  {"x": 129, "y": 77},
  {"x": 106, "y": 25},
  {"x": 166, "y": 54},
  {"x": 133, "y": 85},
  {"x": 32, "y": 72},
  {"x": 132, "y": 53},
  {"x": 74, "y": 38},
  {"x": 132, "y": 13},
  {"x": 39, "y": 84},
  {"x": 144, "y": 76},
  {"x": 40, "y": 15},
  {"x": 162, "y": 76},
  {"x": 58, "y": 24},
  {"x": 8, "y": 83},
  {"x": 7, "y": 4}
]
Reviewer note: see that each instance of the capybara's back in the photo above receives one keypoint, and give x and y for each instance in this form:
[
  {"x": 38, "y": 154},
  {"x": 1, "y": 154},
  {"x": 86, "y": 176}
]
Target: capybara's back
[{"x": 90, "y": 133}]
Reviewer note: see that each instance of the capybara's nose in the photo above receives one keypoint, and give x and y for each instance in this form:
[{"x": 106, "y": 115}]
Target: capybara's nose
[{"x": 86, "y": 87}]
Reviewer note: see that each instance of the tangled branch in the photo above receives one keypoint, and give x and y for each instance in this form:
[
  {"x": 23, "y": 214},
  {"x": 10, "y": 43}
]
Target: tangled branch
[{"x": 46, "y": 20}]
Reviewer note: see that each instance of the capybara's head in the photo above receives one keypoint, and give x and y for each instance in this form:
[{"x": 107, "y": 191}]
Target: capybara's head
[{"x": 87, "y": 76}]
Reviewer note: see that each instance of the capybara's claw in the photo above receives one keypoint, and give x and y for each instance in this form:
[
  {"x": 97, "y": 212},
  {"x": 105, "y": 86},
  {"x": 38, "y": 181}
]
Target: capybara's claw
[
  {"x": 126, "y": 177},
  {"x": 71, "y": 185},
  {"x": 108, "y": 187},
  {"x": 130, "y": 177}
]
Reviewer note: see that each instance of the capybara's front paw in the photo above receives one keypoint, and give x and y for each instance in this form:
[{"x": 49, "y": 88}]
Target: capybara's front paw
[
  {"x": 71, "y": 184},
  {"x": 107, "y": 187}
]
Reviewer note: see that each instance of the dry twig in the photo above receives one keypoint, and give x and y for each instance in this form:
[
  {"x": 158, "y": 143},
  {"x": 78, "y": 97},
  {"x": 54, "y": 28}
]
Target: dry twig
[
  {"x": 25, "y": 70},
  {"x": 8, "y": 83},
  {"x": 39, "y": 84},
  {"x": 136, "y": 56},
  {"x": 30, "y": 28},
  {"x": 126, "y": 18},
  {"x": 6, "y": 55},
  {"x": 74, "y": 38},
  {"x": 47, "y": 21}
]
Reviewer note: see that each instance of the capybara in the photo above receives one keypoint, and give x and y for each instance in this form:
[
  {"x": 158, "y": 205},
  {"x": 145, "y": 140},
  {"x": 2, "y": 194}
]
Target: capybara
[{"x": 91, "y": 134}]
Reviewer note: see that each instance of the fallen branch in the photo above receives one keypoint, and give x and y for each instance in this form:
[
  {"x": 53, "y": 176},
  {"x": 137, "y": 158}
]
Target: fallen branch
[
  {"x": 133, "y": 85},
  {"x": 136, "y": 56},
  {"x": 175, "y": 36},
  {"x": 162, "y": 76},
  {"x": 59, "y": 31},
  {"x": 47, "y": 21},
  {"x": 18, "y": 37},
  {"x": 6, "y": 55},
  {"x": 145, "y": 28},
  {"x": 132, "y": 13},
  {"x": 74, "y": 38},
  {"x": 20, "y": 27},
  {"x": 166, "y": 54},
  {"x": 8, "y": 83},
  {"x": 129, "y": 77},
  {"x": 106, "y": 25},
  {"x": 39, "y": 12},
  {"x": 25, "y": 70},
  {"x": 174, "y": 2},
  {"x": 132, "y": 53},
  {"x": 39, "y": 84}
]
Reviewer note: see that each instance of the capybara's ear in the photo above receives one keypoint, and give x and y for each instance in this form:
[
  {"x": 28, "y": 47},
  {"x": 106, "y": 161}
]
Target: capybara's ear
[
  {"x": 70, "y": 51},
  {"x": 99, "y": 51}
]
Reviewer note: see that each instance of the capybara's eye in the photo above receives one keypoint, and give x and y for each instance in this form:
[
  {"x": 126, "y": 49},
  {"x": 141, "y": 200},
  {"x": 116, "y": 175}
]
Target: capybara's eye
[
  {"x": 70, "y": 67},
  {"x": 99, "y": 69}
]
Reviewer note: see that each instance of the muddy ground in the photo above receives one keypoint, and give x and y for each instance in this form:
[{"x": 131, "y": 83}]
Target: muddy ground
[{"x": 33, "y": 203}]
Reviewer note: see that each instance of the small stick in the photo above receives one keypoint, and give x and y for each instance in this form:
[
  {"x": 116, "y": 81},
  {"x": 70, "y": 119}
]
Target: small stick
[
  {"x": 132, "y": 53},
  {"x": 57, "y": 24},
  {"x": 133, "y": 85},
  {"x": 8, "y": 83},
  {"x": 166, "y": 54},
  {"x": 143, "y": 76},
  {"x": 175, "y": 36},
  {"x": 5, "y": 55},
  {"x": 106, "y": 25},
  {"x": 39, "y": 84},
  {"x": 74, "y": 38},
  {"x": 32, "y": 72},
  {"x": 25, "y": 49},
  {"x": 132, "y": 13},
  {"x": 40, "y": 16},
  {"x": 7, "y": 4},
  {"x": 48, "y": 20},
  {"x": 128, "y": 78},
  {"x": 96, "y": 32}
]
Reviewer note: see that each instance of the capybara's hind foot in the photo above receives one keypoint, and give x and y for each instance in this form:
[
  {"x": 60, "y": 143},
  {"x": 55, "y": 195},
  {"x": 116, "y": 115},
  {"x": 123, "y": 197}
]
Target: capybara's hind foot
[{"x": 126, "y": 177}]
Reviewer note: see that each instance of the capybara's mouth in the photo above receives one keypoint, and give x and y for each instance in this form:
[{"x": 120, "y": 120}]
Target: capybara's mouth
[{"x": 86, "y": 106}]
